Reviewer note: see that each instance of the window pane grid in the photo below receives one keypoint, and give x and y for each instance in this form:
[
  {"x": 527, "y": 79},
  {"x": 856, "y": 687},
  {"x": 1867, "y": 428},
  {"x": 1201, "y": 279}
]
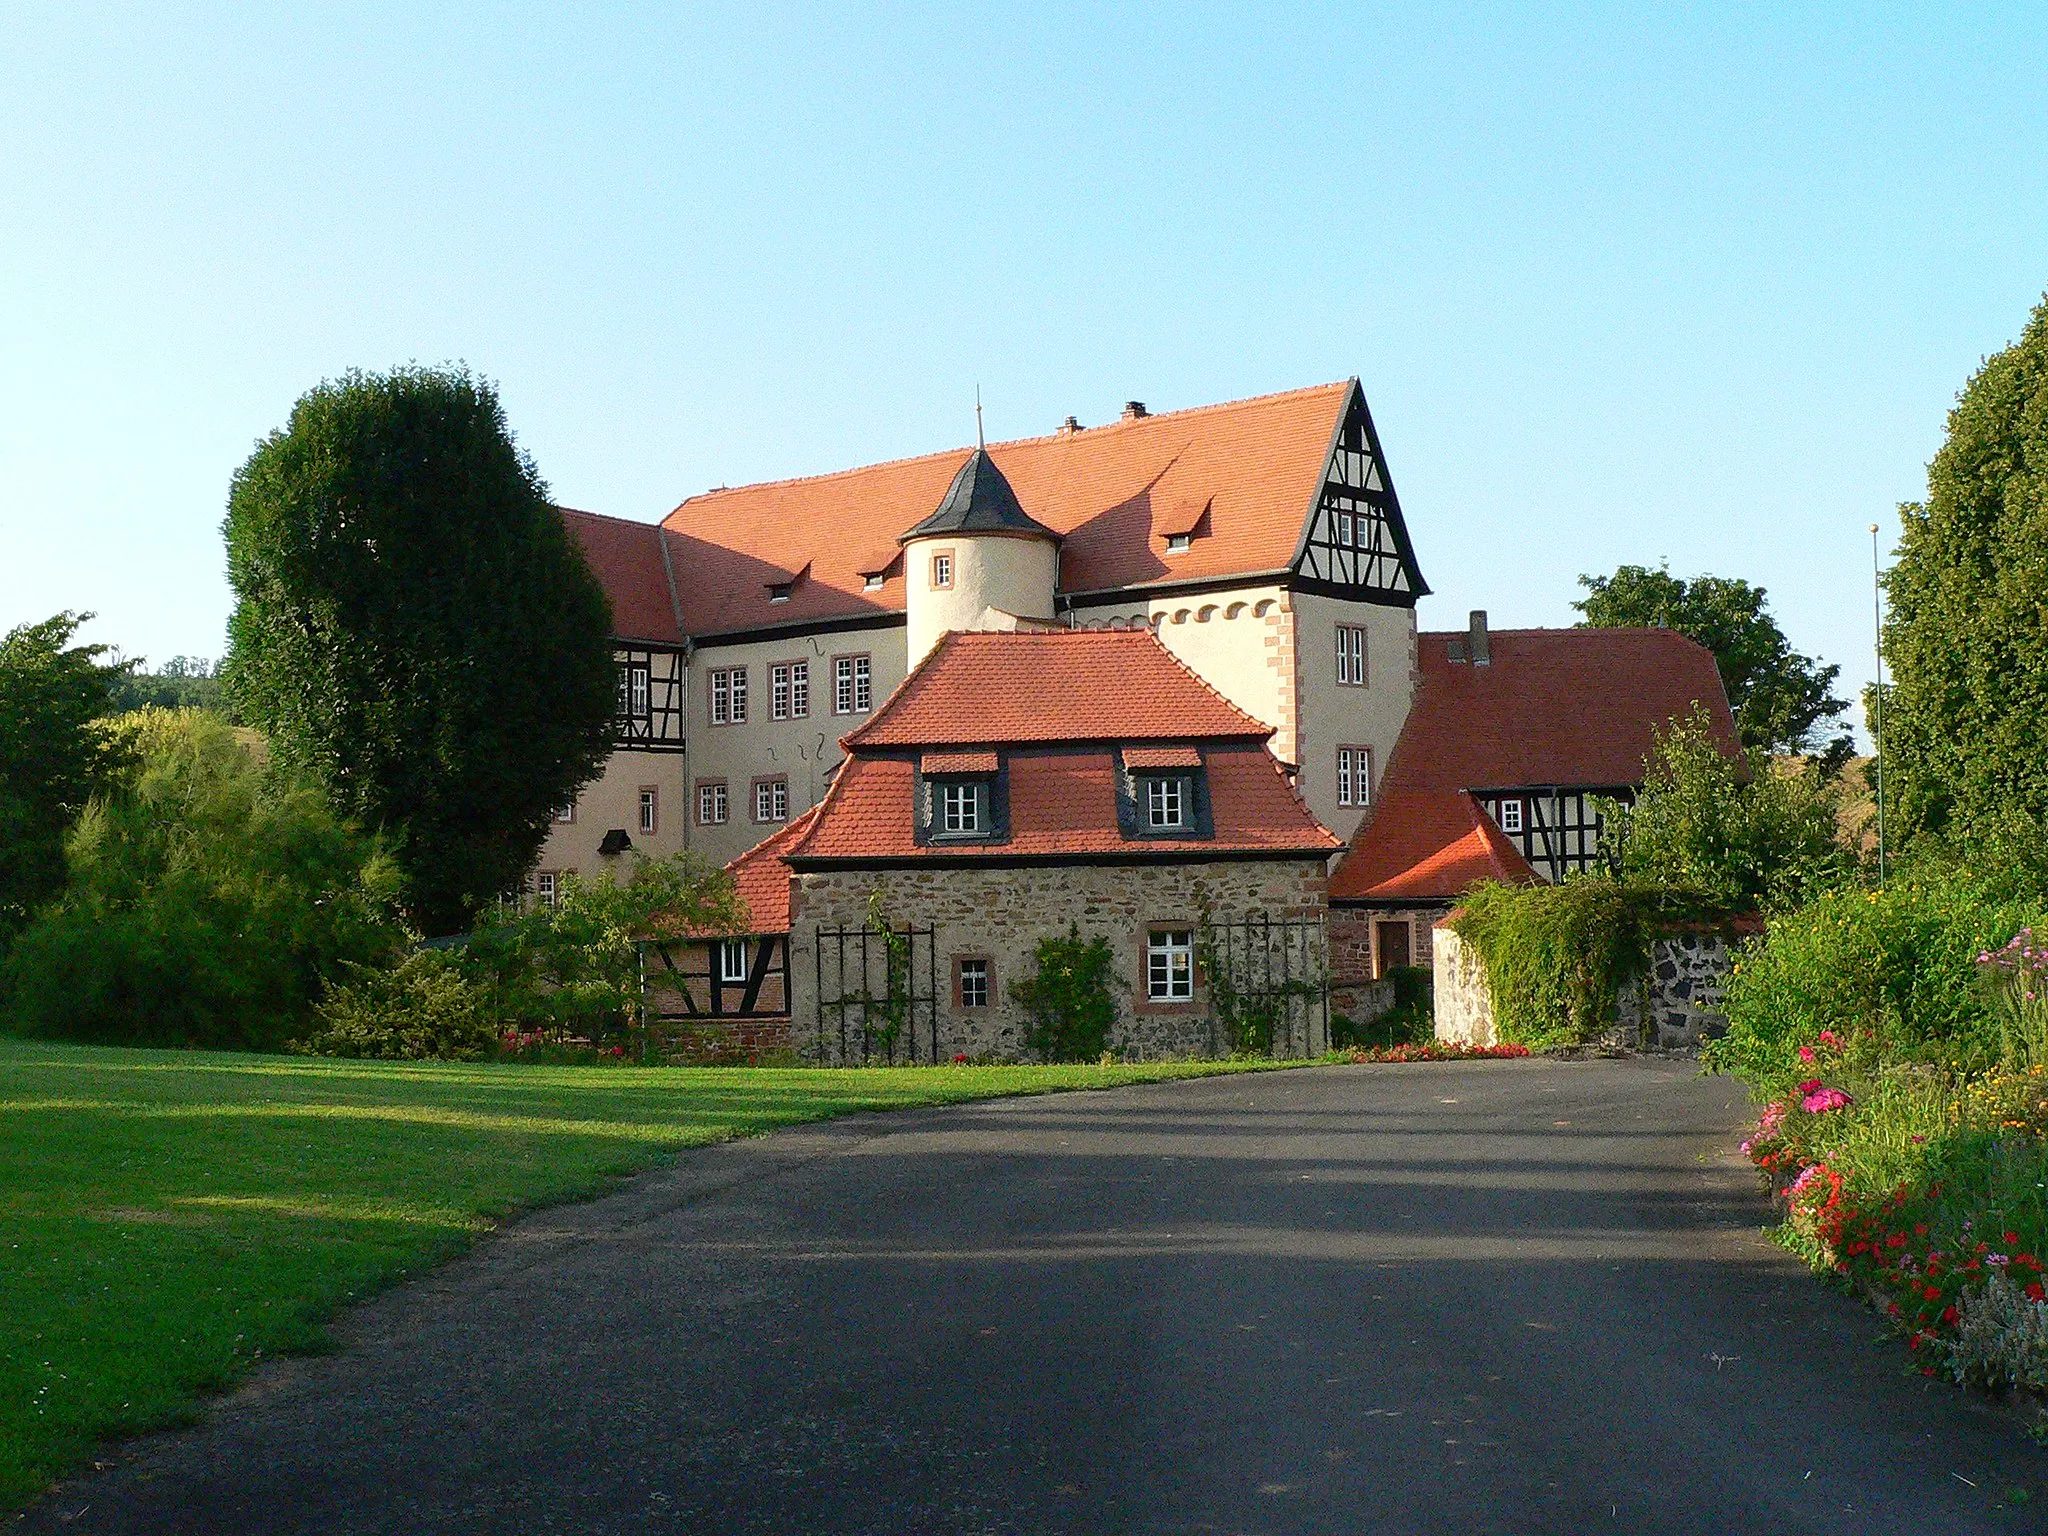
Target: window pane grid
[{"x": 1170, "y": 966}]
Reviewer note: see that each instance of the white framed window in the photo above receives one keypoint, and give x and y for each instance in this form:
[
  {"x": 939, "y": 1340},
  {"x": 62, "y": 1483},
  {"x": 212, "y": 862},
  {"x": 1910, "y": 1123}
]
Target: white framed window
[
  {"x": 799, "y": 690},
  {"x": 972, "y": 986},
  {"x": 1170, "y": 965},
  {"x": 1351, "y": 654},
  {"x": 942, "y": 569},
  {"x": 732, "y": 959},
  {"x": 650, "y": 808},
  {"x": 547, "y": 887},
  {"x": 963, "y": 808},
  {"x": 711, "y": 803},
  {"x": 1179, "y": 543},
  {"x": 1511, "y": 815},
  {"x": 729, "y": 696},
  {"x": 633, "y": 690},
  {"x": 873, "y": 582},
  {"x": 566, "y": 812},
  {"x": 771, "y": 800},
  {"x": 1166, "y": 803},
  {"x": 853, "y": 685},
  {"x": 1344, "y": 529},
  {"x": 1354, "y": 775},
  {"x": 778, "y": 691}
]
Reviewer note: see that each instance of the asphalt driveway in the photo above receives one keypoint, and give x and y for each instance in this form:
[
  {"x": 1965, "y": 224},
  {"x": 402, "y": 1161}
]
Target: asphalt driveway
[{"x": 1525, "y": 1297}]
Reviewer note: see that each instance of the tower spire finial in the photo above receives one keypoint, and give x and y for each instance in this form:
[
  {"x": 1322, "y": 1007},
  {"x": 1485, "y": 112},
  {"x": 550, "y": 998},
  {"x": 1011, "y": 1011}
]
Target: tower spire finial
[{"x": 980, "y": 439}]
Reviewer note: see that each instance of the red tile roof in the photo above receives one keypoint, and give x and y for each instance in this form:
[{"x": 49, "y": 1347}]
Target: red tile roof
[
  {"x": 1564, "y": 707},
  {"x": 763, "y": 879},
  {"x": 1063, "y": 803},
  {"x": 957, "y": 762},
  {"x": 1072, "y": 685},
  {"x": 1112, "y": 492},
  {"x": 626, "y": 558},
  {"x": 1162, "y": 757}
]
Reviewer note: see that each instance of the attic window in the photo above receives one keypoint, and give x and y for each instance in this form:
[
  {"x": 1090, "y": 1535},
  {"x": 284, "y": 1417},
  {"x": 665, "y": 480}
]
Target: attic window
[
  {"x": 778, "y": 591},
  {"x": 1179, "y": 543},
  {"x": 1166, "y": 802},
  {"x": 963, "y": 808},
  {"x": 873, "y": 583},
  {"x": 1511, "y": 815}
]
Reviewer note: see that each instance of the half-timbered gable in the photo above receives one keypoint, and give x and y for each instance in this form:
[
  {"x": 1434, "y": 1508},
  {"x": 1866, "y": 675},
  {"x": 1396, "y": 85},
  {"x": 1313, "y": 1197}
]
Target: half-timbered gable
[{"x": 1356, "y": 544}]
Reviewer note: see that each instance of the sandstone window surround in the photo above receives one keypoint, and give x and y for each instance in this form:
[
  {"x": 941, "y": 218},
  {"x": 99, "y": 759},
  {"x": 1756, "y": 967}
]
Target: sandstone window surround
[
  {"x": 711, "y": 803},
  {"x": 1169, "y": 966},
  {"x": 771, "y": 799},
  {"x": 729, "y": 696},
  {"x": 942, "y": 569},
  {"x": 1351, "y": 655},
  {"x": 789, "y": 690},
  {"x": 1354, "y": 775},
  {"x": 853, "y": 684}
]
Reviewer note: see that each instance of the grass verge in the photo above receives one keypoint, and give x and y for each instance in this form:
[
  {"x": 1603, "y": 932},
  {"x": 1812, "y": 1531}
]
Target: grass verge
[{"x": 167, "y": 1218}]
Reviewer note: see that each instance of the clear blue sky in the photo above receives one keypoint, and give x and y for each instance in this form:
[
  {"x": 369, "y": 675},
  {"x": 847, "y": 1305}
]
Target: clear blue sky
[{"x": 1623, "y": 283}]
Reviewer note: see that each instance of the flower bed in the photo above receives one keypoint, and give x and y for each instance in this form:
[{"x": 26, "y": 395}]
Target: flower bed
[{"x": 1433, "y": 1050}]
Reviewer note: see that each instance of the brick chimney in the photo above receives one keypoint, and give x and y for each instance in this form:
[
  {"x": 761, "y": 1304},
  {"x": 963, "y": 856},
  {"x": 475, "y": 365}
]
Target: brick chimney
[
  {"x": 1482, "y": 654},
  {"x": 1068, "y": 428},
  {"x": 1134, "y": 410}
]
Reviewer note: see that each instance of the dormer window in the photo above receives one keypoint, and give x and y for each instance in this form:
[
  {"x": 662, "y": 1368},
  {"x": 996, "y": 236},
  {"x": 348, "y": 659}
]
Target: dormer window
[
  {"x": 873, "y": 582},
  {"x": 1179, "y": 543},
  {"x": 963, "y": 808},
  {"x": 778, "y": 591},
  {"x": 1161, "y": 793}
]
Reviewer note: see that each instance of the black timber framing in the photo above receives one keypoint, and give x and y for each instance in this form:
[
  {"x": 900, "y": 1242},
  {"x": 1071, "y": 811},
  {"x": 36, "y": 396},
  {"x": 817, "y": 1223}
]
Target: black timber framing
[
  {"x": 1356, "y": 541},
  {"x": 769, "y": 956},
  {"x": 651, "y": 697},
  {"x": 1561, "y": 830}
]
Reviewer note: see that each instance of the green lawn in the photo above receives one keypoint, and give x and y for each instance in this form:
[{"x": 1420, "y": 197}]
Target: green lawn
[{"x": 167, "y": 1217}]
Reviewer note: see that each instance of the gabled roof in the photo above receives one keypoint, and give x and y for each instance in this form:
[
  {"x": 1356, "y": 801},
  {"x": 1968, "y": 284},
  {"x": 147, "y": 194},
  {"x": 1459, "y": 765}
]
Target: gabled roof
[
  {"x": 626, "y": 558},
  {"x": 1063, "y": 804},
  {"x": 988, "y": 688},
  {"x": 979, "y": 501},
  {"x": 1566, "y": 708},
  {"x": 763, "y": 879},
  {"x": 1109, "y": 492}
]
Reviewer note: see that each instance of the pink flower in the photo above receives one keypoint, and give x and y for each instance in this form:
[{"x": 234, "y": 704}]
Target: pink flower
[
  {"x": 1830, "y": 1039},
  {"x": 1806, "y": 1054},
  {"x": 1824, "y": 1100},
  {"x": 1810, "y": 1086}
]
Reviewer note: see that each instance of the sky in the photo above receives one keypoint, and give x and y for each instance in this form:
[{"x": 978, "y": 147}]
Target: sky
[{"x": 1622, "y": 283}]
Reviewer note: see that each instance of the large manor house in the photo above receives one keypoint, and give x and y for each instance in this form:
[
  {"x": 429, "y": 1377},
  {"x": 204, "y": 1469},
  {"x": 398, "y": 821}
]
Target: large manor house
[{"x": 1142, "y": 677}]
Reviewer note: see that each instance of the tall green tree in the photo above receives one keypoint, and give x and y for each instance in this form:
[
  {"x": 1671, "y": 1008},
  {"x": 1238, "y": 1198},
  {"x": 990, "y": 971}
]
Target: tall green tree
[
  {"x": 52, "y": 761},
  {"x": 1784, "y": 702},
  {"x": 1966, "y": 713},
  {"x": 415, "y": 627}
]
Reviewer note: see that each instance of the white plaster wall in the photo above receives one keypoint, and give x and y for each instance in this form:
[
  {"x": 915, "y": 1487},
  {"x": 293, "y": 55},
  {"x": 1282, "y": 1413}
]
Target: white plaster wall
[
  {"x": 1015, "y": 574},
  {"x": 1464, "y": 1008},
  {"x": 612, "y": 799},
  {"x": 1334, "y": 714},
  {"x": 804, "y": 750}
]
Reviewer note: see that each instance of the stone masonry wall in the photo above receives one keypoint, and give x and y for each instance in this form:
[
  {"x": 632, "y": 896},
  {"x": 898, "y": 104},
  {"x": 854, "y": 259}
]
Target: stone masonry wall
[
  {"x": 1681, "y": 998},
  {"x": 1001, "y": 914}
]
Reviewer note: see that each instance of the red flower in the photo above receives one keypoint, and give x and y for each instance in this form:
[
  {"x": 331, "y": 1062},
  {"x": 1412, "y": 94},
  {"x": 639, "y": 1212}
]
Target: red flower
[
  {"x": 2012, "y": 1239},
  {"x": 2035, "y": 1292},
  {"x": 1811, "y": 1085},
  {"x": 1949, "y": 1315}
]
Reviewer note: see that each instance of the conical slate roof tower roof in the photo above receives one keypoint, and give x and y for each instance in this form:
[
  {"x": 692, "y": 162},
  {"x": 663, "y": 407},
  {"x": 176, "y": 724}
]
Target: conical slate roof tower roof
[{"x": 979, "y": 501}]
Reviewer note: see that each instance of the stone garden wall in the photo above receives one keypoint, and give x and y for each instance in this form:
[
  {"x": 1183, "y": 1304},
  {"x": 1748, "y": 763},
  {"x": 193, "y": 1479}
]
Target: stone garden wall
[
  {"x": 1000, "y": 914},
  {"x": 1676, "y": 1007}
]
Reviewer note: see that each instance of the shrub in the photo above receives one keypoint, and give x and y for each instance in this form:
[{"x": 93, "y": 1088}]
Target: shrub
[
  {"x": 208, "y": 903},
  {"x": 573, "y": 969},
  {"x": 1069, "y": 998},
  {"x": 423, "y": 1009},
  {"x": 1411, "y": 1020},
  {"x": 1557, "y": 955},
  {"x": 1899, "y": 965}
]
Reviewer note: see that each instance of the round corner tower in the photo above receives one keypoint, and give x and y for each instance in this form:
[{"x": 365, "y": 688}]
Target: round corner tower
[{"x": 978, "y": 562}]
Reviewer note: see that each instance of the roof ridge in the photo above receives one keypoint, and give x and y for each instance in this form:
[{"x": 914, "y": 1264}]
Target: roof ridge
[
  {"x": 1010, "y": 442},
  {"x": 847, "y": 742},
  {"x": 1256, "y": 724},
  {"x": 604, "y": 517}
]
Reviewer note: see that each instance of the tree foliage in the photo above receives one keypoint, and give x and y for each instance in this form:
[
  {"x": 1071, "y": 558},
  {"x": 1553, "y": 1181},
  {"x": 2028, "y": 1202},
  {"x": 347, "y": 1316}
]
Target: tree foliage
[
  {"x": 183, "y": 682},
  {"x": 415, "y": 627},
  {"x": 209, "y": 902},
  {"x": 1783, "y": 701},
  {"x": 52, "y": 760},
  {"x": 1966, "y": 714},
  {"x": 1739, "y": 837}
]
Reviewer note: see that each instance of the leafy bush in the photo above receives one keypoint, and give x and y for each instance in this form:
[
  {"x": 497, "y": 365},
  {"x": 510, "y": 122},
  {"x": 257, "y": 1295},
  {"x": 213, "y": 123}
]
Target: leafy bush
[
  {"x": 1069, "y": 998},
  {"x": 208, "y": 904},
  {"x": 1411, "y": 1020},
  {"x": 423, "y": 1009},
  {"x": 1740, "y": 837},
  {"x": 573, "y": 969},
  {"x": 1557, "y": 955},
  {"x": 1899, "y": 965}
]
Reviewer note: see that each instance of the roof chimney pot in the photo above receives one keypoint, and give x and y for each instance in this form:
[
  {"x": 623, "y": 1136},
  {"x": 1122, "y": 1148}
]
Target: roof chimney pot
[
  {"x": 1482, "y": 654},
  {"x": 1068, "y": 427},
  {"x": 1134, "y": 410}
]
